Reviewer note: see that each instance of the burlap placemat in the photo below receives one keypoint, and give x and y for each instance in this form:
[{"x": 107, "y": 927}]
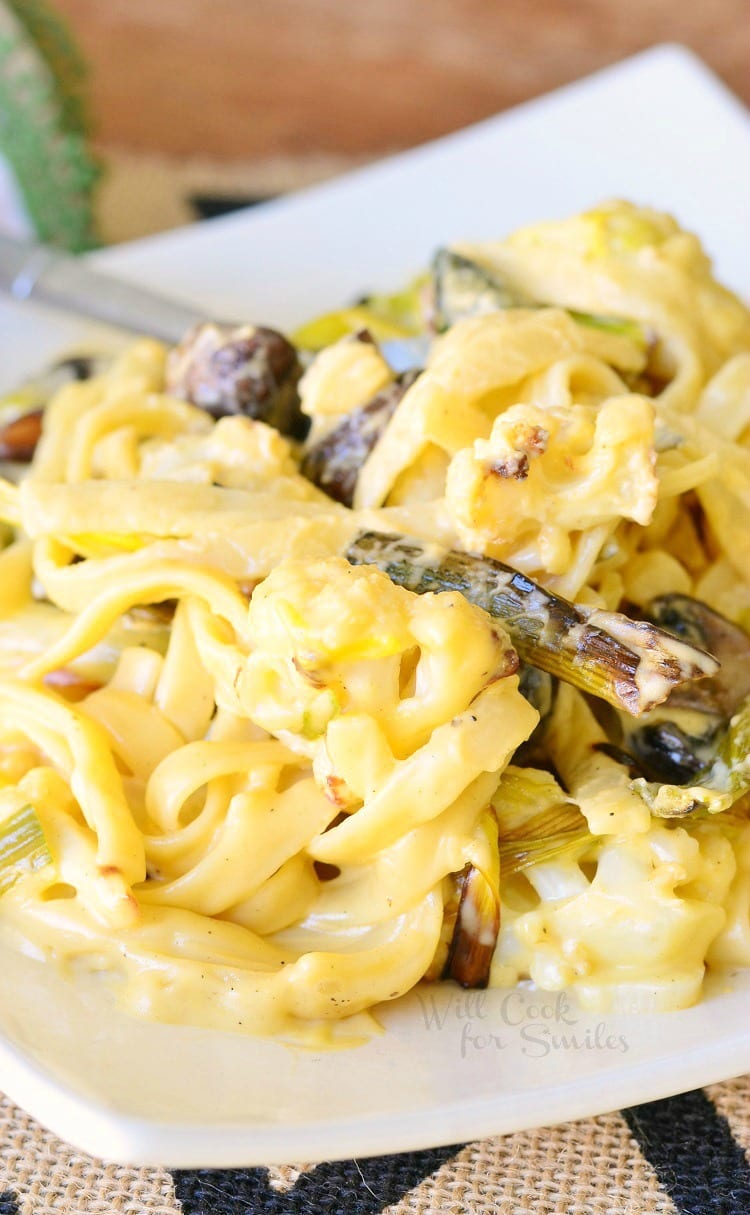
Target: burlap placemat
[{"x": 685, "y": 1154}]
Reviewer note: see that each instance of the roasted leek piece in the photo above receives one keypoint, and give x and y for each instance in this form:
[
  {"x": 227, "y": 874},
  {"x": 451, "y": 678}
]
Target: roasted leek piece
[
  {"x": 23, "y": 847},
  {"x": 633, "y": 665},
  {"x": 475, "y": 931},
  {"x": 537, "y": 821},
  {"x": 461, "y": 287},
  {"x": 547, "y": 836}
]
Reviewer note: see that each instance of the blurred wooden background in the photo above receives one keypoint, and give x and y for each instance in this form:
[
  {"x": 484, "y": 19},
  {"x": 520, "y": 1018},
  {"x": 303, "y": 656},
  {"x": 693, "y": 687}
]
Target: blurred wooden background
[
  {"x": 201, "y": 104},
  {"x": 247, "y": 79}
]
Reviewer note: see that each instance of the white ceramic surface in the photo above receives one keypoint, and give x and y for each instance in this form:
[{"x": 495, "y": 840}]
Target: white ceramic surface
[{"x": 449, "y": 1067}]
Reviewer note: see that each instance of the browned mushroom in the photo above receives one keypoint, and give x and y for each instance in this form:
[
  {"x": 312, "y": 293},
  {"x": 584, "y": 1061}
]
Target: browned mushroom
[
  {"x": 333, "y": 464},
  {"x": 698, "y": 624},
  {"x": 18, "y": 438},
  {"x": 20, "y": 435},
  {"x": 249, "y": 370},
  {"x": 693, "y": 737}
]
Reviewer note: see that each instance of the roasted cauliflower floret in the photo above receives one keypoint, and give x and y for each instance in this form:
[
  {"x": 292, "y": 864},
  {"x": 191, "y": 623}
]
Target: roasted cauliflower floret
[
  {"x": 544, "y": 473},
  {"x": 230, "y": 453},
  {"x": 333, "y": 638},
  {"x": 402, "y": 701},
  {"x": 341, "y": 378}
]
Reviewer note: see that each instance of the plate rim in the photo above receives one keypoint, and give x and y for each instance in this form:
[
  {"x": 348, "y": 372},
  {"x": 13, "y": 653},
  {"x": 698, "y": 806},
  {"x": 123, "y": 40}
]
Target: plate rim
[{"x": 98, "y": 1128}]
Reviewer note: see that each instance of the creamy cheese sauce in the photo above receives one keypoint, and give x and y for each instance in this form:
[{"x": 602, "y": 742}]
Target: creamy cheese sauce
[{"x": 254, "y": 771}]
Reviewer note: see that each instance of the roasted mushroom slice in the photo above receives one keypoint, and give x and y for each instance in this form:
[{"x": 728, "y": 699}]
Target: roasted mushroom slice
[
  {"x": 698, "y": 624},
  {"x": 668, "y": 752},
  {"x": 19, "y": 437},
  {"x": 694, "y": 738},
  {"x": 333, "y": 464},
  {"x": 249, "y": 370},
  {"x": 723, "y": 782},
  {"x": 22, "y": 411}
]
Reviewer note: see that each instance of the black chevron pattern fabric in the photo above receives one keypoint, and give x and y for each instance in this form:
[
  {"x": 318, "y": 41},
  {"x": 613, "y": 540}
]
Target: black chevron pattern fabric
[
  {"x": 698, "y": 1162},
  {"x": 694, "y": 1162},
  {"x": 683, "y": 1159},
  {"x": 349, "y": 1187}
]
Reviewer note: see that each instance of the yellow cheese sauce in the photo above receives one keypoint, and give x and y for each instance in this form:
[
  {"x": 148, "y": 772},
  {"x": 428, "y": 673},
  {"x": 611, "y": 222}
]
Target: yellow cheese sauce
[{"x": 275, "y": 789}]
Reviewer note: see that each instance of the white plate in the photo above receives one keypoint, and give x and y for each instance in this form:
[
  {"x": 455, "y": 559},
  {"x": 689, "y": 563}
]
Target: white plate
[{"x": 661, "y": 130}]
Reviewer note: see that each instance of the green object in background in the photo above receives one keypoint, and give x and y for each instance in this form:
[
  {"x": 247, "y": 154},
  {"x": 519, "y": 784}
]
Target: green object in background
[{"x": 43, "y": 123}]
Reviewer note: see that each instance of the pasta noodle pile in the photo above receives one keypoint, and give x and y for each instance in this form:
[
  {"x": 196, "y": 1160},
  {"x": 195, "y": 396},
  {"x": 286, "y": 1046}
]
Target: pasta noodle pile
[{"x": 268, "y": 780}]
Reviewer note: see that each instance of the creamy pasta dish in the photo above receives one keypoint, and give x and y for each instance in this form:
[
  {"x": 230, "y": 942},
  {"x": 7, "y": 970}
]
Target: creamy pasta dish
[{"x": 412, "y": 646}]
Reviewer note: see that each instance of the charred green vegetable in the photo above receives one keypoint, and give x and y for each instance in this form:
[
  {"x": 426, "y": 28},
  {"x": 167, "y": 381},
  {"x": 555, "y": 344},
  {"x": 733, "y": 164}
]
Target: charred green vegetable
[
  {"x": 461, "y": 287},
  {"x": 471, "y": 920},
  {"x": 333, "y": 464},
  {"x": 248, "y": 370},
  {"x": 475, "y": 928},
  {"x": 537, "y": 822},
  {"x": 631, "y": 664},
  {"x": 716, "y": 788},
  {"x": 23, "y": 848}
]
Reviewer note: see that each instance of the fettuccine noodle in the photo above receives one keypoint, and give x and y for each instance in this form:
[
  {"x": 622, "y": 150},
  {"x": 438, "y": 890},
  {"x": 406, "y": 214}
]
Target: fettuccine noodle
[{"x": 264, "y": 775}]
